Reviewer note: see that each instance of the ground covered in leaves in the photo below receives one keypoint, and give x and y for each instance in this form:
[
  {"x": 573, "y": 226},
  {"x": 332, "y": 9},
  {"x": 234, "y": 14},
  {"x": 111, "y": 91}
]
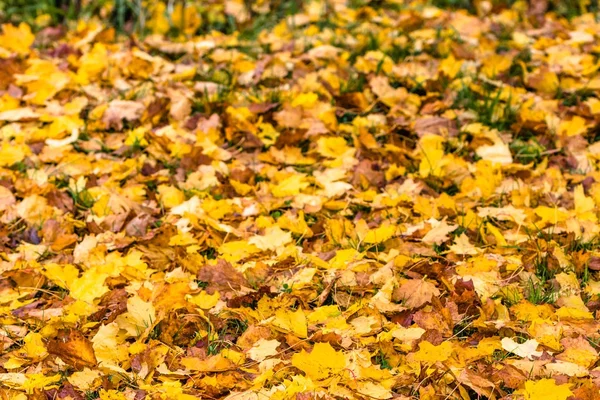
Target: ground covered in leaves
[{"x": 363, "y": 201}]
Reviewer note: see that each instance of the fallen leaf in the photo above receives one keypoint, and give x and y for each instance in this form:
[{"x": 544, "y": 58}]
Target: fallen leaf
[
  {"x": 119, "y": 110},
  {"x": 546, "y": 389},
  {"x": 527, "y": 349},
  {"x": 415, "y": 292},
  {"x": 321, "y": 363},
  {"x": 73, "y": 348}
]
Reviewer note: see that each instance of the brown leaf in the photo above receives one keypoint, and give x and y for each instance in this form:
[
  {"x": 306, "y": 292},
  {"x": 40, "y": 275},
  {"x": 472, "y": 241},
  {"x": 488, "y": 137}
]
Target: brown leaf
[
  {"x": 73, "y": 348},
  {"x": 112, "y": 304},
  {"x": 119, "y": 110},
  {"x": 181, "y": 106},
  {"x": 179, "y": 328},
  {"x": 25, "y": 278},
  {"x": 479, "y": 384},
  {"x": 60, "y": 200},
  {"x": 415, "y": 292},
  {"x": 63, "y": 241},
  {"x": 594, "y": 263},
  {"x": 138, "y": 225},
  {"x": 510, "y": 376},
  {"x": 222, "y": 277},
  {"x": 252, "y": 335},
  {"x": 432, "y": 321},
  {"x": 434, "y": 126},
  {"x": 172, "y": 296}
]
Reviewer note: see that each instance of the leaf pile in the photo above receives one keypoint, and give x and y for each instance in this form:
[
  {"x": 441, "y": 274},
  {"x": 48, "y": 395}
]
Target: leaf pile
[{"x": 368, "y": 200}]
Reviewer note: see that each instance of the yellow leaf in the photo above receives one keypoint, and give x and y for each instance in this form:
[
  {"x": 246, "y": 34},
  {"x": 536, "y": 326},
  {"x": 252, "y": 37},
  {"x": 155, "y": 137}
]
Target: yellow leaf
[
  {"x": 170, "y": 196},
  {"x": 295, "y": 224},
  {"x": 43, "y": 79},
  {"x": 573, "y": 313},
  {"x": 544, "y": 81},
  {"x": 380, "y": 234},
  {"x": 236, "y": 250},
  {"x": 450, "y": 66},
  {"x": 188, "y": 18},
  {"x": 332, "y": 147},
  {"x": 84, "y": 380},
  {"x": 343, "y": 257},
  {"x": 17, "y": 39},
  {"x": 111, "y": 395},
  {"x": 429, "y": 353},
  {"x": 30, "y": 381},
  {"x": 92, "y": 64},
  {"x": 34, "y": 347},
  {"x": 526, "y": 349},
  {"x": 210, "y": 364},
  {"x": 106, "y": 346},
  {"x": 158, "y": 21},
  {"x": 305, "y": 100},
  {"x": 290, "y": 186},
  {"x": 274, "y": 239},
  {"x": 142, "y": 312},
  {"x": 241, "y": 188},
  {"x": 462, "y": 246},
  {"x": 12, "y": 112},
  {"x": 575, "y": 126},
  {"x": 234, "y": 356},
  {"x": 293, "y": 321},
  {"x": 496, "y": 64},
  {"x": 263, "y": 348},
  {"x": 11, "y": 154},
  {"x": 323, "y": 313},
  {"x": 439, "y": 232},
  {"x": 321, "y": 363},
  {"x": 204, "y": 300},
  {"x": 432, "y": 155},
  {"x": 40, "y": 381},
  {"x": 585, "y": 208},
  {"x": 546, "y": 389},
  {"x": 550, "y": 215},
  {"x": 89, "y": 286},
  {"x": 267, "y": 134},
  {"x": 182, "y": 239},
  {"x": 499, "y": 153},
  {"x": 525, "y": 311}
]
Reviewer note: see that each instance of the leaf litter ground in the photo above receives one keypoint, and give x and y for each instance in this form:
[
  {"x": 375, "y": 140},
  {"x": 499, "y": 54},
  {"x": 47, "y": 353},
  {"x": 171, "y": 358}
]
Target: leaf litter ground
[{"x": 364, "y": 201}]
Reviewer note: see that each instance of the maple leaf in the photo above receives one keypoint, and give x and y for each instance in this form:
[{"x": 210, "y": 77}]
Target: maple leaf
[
  {"x": 439, "y": 232},
  {"x": 321, "y": 363},
  {"x": 415, "y": 292},
  {"x": 84, "y": 380},
  {"x": 463, "y": 246},
  {"x": 274, "y": 239},
  {"x": 73, "y": 348},
  {"x": 18, "y": 39},
  {"x": 119, "y": 110},
  {"x": 429, "y": 353},
  {"x": 498, "y": 153},
  {"x": 546, "y": 389},
  {"x": 29, "y": 382},
  {"x": 527, "y": 349},
  {"x": 263, "y": 349},
  {"x": 379, "y": 235},
  {"x": 293, "y": 321}
]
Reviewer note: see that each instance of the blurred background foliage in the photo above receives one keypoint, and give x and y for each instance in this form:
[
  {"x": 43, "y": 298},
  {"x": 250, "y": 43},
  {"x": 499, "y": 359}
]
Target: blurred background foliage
[
  {"x": 174, "y": 18},
  {"x": 185, "y": 18}
]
